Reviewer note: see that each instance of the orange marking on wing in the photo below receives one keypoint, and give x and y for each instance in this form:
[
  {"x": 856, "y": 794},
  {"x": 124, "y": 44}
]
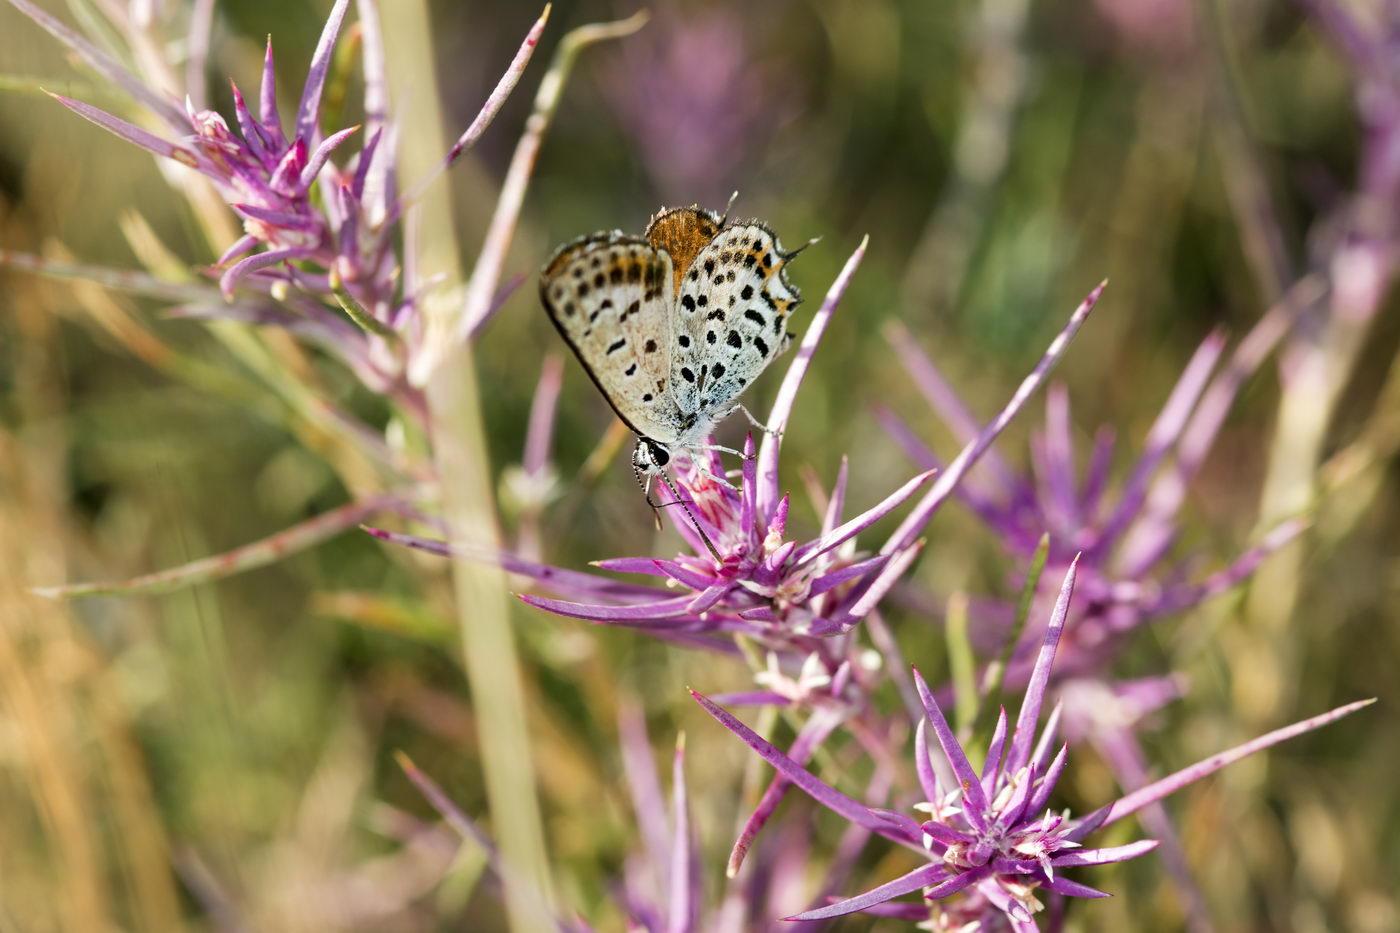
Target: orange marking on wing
[{"x": 683, "y": 232}]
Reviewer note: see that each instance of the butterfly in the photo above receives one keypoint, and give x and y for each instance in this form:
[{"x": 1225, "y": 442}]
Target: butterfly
[{"x": 673, "y": 325}]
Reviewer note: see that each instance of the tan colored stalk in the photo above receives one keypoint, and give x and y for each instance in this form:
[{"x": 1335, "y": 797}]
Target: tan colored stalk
[{"x": 459, "y": 441}]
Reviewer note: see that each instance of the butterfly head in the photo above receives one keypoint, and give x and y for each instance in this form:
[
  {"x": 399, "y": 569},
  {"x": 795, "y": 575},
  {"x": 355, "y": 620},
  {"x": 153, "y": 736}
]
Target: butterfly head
[
  {"x": 649, "y": 460},
  {"x": 650, "y": 457}
]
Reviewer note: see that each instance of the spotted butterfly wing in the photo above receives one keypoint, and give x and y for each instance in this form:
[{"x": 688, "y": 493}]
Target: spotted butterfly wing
[
  {"x": 732, "y": 304},
  {"x": 611, "y": 297}
]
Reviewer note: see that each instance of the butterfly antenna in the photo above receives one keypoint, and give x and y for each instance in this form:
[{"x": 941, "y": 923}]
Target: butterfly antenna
[
  {"x": 728, "y": 207},
  {"x": 698, "y": 530},
  {"x": 812, "y": 242},
  {"x": 646, "y": 494}
]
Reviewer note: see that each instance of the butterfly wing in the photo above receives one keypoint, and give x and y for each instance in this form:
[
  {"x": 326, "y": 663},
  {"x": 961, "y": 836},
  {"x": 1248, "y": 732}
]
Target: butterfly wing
[
  {"x": 731, "y": 317},
  {"x": 683, "y": 232},
  {"x": 611, "y": 298}
]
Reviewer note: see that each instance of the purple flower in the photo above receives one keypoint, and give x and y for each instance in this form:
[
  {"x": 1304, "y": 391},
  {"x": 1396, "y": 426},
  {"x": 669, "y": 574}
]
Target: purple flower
[
  {"x": 316, "y": 232},
  {"x": 790, "y": 596},
  {"x": 780, "y": 591},
  {"x": 1124, "y": 538},
  {"x": 989, "y": 836},
  {"x": 1363, "y": 260},
  {"x": 763, "y": 584}
]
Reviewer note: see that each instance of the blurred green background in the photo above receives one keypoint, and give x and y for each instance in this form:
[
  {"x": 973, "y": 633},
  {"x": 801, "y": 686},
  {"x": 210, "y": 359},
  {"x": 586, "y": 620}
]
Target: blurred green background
[{"x": 221, "y": 757}]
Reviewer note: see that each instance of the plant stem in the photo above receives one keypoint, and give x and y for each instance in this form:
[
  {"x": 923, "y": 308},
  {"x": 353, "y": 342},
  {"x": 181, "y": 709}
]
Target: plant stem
[{"x": 460, "y": 450}]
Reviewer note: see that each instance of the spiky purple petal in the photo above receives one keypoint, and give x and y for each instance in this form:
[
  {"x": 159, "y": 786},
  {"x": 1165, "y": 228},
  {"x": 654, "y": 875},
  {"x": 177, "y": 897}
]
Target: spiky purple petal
[
  {"x": 309, "y": 108},
  {"x": 905, "y": 884},
  {"x": 1024, "y": 735},
  {"x": 792, "y": 380},
  {"x": 975, "y": 801},
  {"x": 127, "y": 131},
  {"x": 816, "y": 788}
]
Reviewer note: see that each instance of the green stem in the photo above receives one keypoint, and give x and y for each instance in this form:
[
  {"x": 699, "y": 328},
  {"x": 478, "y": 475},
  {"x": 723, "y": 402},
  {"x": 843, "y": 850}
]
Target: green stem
[
  {"x": 996, "y": 671},
  {"x": 358, "y": 312},
  {"x": 961, "y": 664},
  {"x": 445, "y": 365}
]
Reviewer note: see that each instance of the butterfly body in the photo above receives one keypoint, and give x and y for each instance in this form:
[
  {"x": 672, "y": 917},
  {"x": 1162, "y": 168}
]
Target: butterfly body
[{"x": 672, "y": 326}]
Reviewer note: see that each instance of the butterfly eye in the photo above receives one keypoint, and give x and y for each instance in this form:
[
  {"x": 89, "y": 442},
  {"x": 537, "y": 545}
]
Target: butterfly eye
[{"x": 660, "y": 456}]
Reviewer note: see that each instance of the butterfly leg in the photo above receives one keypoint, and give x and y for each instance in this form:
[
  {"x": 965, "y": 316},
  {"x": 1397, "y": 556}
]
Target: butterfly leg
[
  {"x": 723, "y": 450},
  {"x": 753, "y": 421},
  {"x": 720, "y": 479},
  {"x": 644, "y": 480}
]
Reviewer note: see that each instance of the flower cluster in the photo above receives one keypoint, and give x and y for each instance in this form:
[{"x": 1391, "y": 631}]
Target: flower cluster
[
  {"x": 781, "y": 592},
  {"x": 1121, "y": 542},
  {"x": 323, "y": 253},
  {"x": 990, "y": 836},
  {"x": 319, "y": 237}
]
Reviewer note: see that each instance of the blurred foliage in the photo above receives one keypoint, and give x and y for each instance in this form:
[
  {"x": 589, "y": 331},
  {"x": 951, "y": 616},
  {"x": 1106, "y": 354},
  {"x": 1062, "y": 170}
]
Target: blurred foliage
[{"x": 1003, "y": 156}]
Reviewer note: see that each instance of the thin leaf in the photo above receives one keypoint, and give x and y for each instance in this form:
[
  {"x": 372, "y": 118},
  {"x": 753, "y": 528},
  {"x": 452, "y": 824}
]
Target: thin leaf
[
  {"x": 358, "y": 312},
  {"x": 996, "y": 671},
  {"x": 107, "y": 66},
  {"x": 960, "y": 663},
  {"x": 122, "y": 279},
  {"x": 493, "y": 104},
  {"x": 273, "y": 548}
]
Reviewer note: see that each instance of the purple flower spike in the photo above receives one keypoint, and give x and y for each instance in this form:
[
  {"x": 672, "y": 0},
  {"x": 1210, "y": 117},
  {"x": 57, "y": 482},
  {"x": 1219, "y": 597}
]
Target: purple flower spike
[
  {"x": 904, "y": 884},
  {"x": 819, "y": 790},
  {"x": 1157, "y": 790},
  {"x": 974, "y": 450},
  {"x": 780, "y": 592},
  {"x": 990, "y": 839},
  {"x": 310, "y": 107},
  {"x": 131, "y": 133},
  {"x": 1122, "y": 537},
  {"x": 792, "y": 381},
  {"x": 1040, "y": 677},
  {"x": 159, "y": 104},
  {"x": 322, "y": 239}
]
